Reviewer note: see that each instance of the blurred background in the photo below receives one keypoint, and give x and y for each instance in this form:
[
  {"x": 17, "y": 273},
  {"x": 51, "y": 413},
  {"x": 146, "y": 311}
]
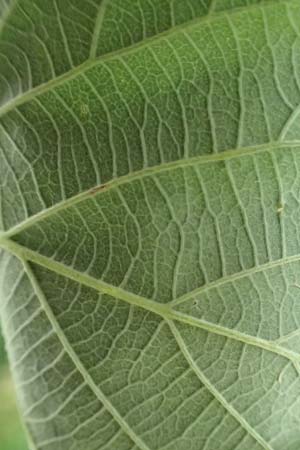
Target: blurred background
[{"x": 11, "y": 431}]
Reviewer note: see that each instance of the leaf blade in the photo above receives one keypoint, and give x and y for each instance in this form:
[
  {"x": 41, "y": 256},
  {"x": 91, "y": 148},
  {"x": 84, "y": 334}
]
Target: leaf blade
[{"x": 156, "y": 184}]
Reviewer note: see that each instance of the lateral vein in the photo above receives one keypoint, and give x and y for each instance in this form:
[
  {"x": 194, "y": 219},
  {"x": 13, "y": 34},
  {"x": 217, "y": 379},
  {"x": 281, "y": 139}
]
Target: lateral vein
[
  {"x": 235, "y": 277},
  {"x": 163, "y": 310},
  {"x": 210, "y": 387},
  {"x": 89, "y": 63},
  {"x": 143, "y": 173},
  {"x": 78, "y": 364},
  {"x": 97, "y": 29}
]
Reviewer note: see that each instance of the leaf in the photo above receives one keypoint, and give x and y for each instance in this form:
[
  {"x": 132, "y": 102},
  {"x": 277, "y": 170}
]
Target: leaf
[{"x": 150, "y": 281}]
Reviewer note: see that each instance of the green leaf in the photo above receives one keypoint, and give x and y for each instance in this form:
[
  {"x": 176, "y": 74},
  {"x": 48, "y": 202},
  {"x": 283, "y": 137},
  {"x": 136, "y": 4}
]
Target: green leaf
[{"x": 150, "y": 185}]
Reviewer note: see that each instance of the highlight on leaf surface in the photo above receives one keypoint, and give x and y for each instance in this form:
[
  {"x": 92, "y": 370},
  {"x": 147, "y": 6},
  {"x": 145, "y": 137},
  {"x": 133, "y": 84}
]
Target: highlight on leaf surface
[{"x": 149, "y": 208}]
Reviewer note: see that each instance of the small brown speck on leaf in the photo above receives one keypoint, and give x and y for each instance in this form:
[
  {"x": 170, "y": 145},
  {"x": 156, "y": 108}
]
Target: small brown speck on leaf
[{"x": 97, "y": 189}]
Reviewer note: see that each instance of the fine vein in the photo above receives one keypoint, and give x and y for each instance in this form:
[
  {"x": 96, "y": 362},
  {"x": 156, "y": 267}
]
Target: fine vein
[
  {"x": 77, "y": 362},
  {"x": 44, "y": 87},
  {"x": 7, "y": 13},
  {"x": 235, "y": 277},
  {"x": 232, "y": 411},
  {"x": 163, "y": 310},
  {"x": 97, "y": 29},
  {"x": 147, "y": 172}
]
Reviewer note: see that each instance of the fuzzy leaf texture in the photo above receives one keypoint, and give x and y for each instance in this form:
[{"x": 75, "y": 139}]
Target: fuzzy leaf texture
[{"x": 149, "y": 208}]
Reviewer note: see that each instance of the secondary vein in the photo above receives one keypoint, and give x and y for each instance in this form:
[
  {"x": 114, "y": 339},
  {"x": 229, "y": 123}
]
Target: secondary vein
[
  {"x": 78, "y": 364},
  {"x": 211, "y": 388},
  {"x": 89, "y": 63},
  {"x": 235, "y": 277},
  {"x": 97, "y": 28},
  {"x": 147, "y": 172}
]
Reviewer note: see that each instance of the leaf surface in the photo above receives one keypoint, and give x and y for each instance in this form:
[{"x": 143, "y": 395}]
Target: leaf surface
[{"x": 149, "y": 164}]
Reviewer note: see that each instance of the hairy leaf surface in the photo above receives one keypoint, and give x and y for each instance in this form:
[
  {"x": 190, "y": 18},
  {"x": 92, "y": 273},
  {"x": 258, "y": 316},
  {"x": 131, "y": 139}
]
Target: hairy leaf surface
[{"x": 149, "y": 208}]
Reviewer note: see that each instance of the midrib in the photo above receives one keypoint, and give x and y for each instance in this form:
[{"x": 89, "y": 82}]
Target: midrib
[
  {"x": 89, "y": 63},
  {"x": 164, "y": 310}
]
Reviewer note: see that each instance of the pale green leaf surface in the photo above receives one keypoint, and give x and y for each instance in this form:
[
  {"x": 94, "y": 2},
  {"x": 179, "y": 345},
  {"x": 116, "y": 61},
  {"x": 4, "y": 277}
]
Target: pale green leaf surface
[
  {"x": 150, "y": 282},
  {"x": 172, "y": 98}
]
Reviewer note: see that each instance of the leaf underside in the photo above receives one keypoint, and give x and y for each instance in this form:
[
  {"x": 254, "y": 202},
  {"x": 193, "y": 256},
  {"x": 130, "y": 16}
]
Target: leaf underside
[{"x": 149, "y": 208}]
